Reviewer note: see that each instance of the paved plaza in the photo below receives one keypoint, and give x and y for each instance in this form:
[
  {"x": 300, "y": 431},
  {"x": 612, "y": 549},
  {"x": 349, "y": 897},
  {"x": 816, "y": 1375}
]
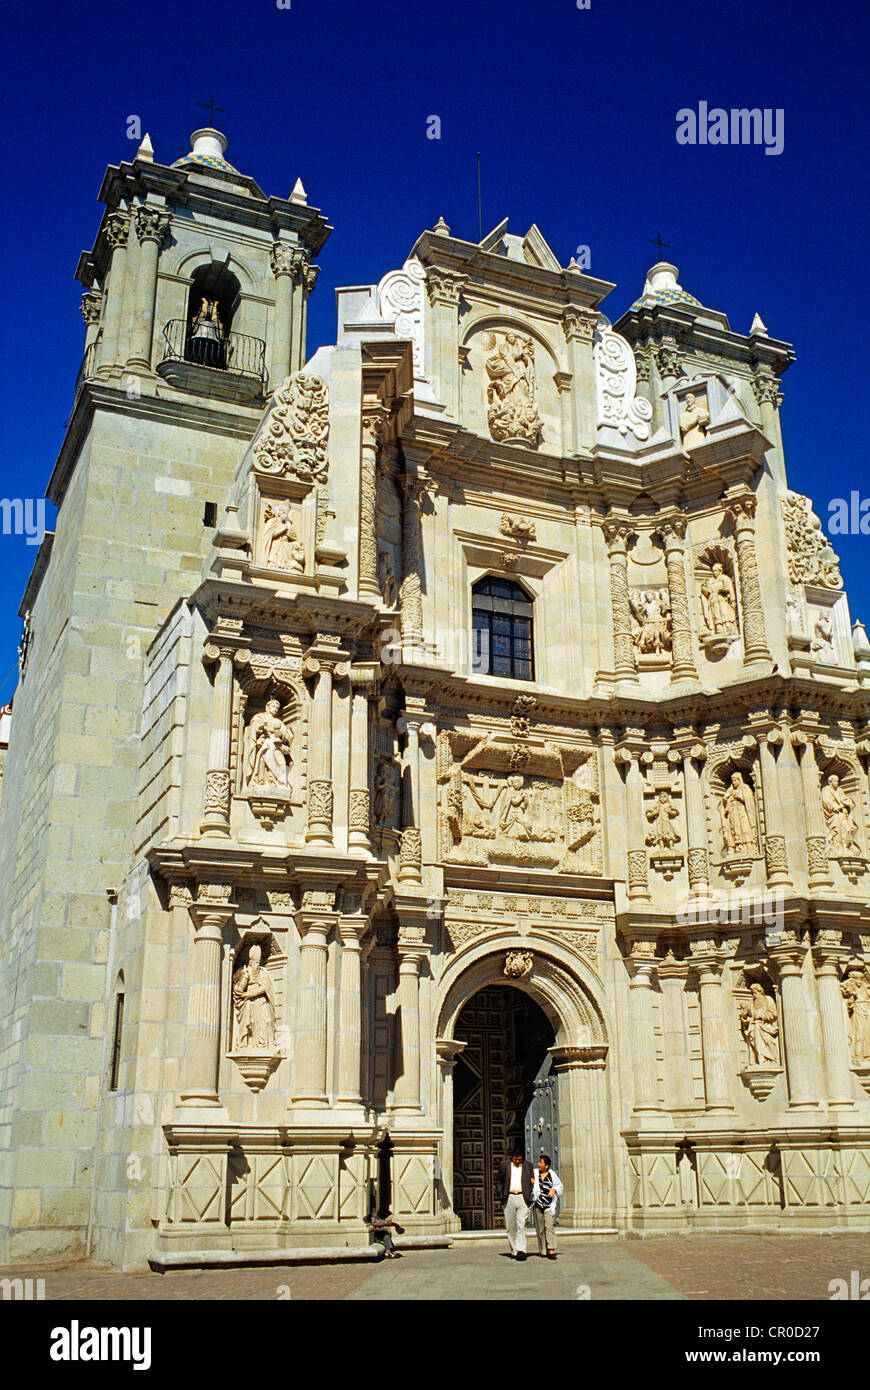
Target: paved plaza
[{"x": 776, "y": 1267}]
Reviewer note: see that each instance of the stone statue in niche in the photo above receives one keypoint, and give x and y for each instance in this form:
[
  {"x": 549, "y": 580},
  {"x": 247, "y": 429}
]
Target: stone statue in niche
[
  {"x": 694, "y": 419},
  {"x": 661, "y": 816},
  {"x": 738, "y": 817},
  {"x": 719, "y": 602},
  {"x": 856, "y": 991},
  {"x": 254, "y": 1006},
  {"x": 268, "y": 748},
  {"x": 387, "y": 579},
  {"x": 282, "y": 548},
  {"x": 510, "y": 394},
  {"x": 822, "y": 645},
  {"x": 651, "y": 632},
  {"x": 386, "y": 795},
  {"x": 839, "y": 818},
  {"x": 759, "y": 1025}
]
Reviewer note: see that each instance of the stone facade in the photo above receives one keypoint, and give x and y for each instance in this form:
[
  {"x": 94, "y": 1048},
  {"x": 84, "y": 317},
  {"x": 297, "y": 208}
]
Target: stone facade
[{"x": 269, "y": 825}]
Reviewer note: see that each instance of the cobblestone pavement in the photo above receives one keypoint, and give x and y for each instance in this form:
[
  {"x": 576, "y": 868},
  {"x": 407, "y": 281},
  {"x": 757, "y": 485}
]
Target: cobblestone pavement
[{"x": 696, "y": 1267}]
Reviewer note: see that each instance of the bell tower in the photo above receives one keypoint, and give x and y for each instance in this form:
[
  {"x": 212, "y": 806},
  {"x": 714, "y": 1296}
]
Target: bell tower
[{"x": 195, "y": 295}]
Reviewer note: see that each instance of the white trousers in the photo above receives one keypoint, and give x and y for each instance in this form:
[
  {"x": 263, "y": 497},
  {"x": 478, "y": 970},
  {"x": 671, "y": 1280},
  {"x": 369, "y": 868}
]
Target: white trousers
[{"x": 516, "y": 1214}]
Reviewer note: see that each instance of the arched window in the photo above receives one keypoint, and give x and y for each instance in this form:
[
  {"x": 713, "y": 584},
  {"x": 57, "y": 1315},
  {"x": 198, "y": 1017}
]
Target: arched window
[
  {"x": 117, "y": 1030},
  {"x": 214, "y": 298},
  {"x": 502, "y": 621}
]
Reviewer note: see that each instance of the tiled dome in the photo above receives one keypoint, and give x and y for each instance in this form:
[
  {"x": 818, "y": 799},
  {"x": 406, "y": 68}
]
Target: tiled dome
[
  {"x": 661, "y": 288},
  {"x": 207, "y": 149}
]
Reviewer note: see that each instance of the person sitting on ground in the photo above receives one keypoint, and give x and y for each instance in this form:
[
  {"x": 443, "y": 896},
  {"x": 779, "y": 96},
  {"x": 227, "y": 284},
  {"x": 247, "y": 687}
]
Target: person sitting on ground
[{"x": 381, "y": 1229}]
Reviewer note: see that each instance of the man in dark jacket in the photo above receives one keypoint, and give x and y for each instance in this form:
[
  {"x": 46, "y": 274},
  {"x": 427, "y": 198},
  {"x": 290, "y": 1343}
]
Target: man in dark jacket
[{"x": 516, "y": 1179}]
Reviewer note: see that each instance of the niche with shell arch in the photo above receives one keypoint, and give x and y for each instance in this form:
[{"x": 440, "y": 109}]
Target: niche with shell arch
[
  {"x": 270, "y": 745},
  {"x": 718, "y": 606},
  {"x": 735, "y": 813},
  {"x": 508, "y": 390}
]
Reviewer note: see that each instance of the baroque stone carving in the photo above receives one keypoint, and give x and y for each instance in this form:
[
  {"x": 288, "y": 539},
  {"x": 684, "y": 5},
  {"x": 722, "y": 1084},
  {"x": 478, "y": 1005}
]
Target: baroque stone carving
[
  {"x": 661, "y": 816},
  {"x": 386, "y": 797},
  {"x": 651, "y": 626},
  {"x": 738, "y": 818},
  {"x": 518, "y": 964},
  {"x": 253, "y": 1005},
  {"x": 117, "y": 229},
  {"x": 387, "y": 579},
  {"x": 694, "y": 419},
  {"x": 217, "y": 793},
  {"x": 293, "y": 442},
  {"x": 512, "y": 413},
  {"x": 151, "y": 224},
  {"x": 810, "y": 558},
  {"x": 856, "y": 992},
  {"x": 759, "y": 1025},
  {"x": 400, "y": 300},
  {"x": 839, "y": 812},
  {"x": 719, "y": 602},
  {"x": 282, "y": 548},
  {"x": 518, "y": 528},
  {"x": 268, "y": 748},
  {"x": 616, "y": 382},
  {"x": 822, "y": 643}
]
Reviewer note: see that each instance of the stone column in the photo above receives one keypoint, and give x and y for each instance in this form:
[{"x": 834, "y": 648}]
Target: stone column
[
  {"x": 765, "y": 385},
  {"x": 674, "y": 535},
  {"x": 714, "y": 1041},
  {"x": 348, "y": 1088},
  {"x": 210, "y": 913},
  {"x": 742, "y": 513},
  {"x": 411, "y": 950},
  {"x": 216, "y": 817},
  {"x": 286, "y": 262},
  {"x": 696, "y": 821},
  {"x": 91, "y": 306},
  {"x": 638, "y": 859},
  {"x": 117, "y": 234},
  {"x": 411, "y": 847},
  {"x": 410, "y": 596},
  {"x": 374, "y": 424},
  {"x": 642, "y": 969},
  {"x": 152, "y": 224},
  {"x": 828, "y": 956},
  {"x": 320, "y": 667},
  {"x": 444, "y": 291},
  {"x": 818, "y": 869},
  {"x": 447, "y": 1051},
  {"x": 363, "y": 681},
  {"x": 797, "y": 1051},
  {"x": 315, "y": 919},
  {"x": 775, "y": 855},
  {"x": 585, "y": 1161},
  {"x": 617, "y": 535},
  {"x": 579, "y": 324},
  {"x": 308, "y": 279}
]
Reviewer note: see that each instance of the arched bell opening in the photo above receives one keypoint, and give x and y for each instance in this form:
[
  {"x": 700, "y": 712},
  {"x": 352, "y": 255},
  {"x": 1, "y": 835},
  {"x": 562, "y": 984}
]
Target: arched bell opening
[{"x": 214, "y": 297}]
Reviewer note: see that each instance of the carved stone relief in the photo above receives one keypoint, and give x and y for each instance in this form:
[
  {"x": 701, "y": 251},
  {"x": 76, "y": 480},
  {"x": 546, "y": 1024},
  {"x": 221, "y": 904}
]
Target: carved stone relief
[
  {"x": 719, "y": 625},
  {"x": 511, "y": 393},
  {"x": 811, "y": 559},
  {"x": 616, "y": 381},
  {"x": 281, "y": 547},
  {"x": 651, "y": 627},
  {"x": 856, "y": 992},
  {"x": 293, "y": 442},
  {"x": 694, "y": 419},
  {"x": 840, "y": 822},
  {"x": 738, "y": 818}
]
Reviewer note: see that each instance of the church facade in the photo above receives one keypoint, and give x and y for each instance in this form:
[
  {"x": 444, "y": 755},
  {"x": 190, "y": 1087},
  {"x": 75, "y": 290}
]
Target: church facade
[{"x": 456, "y": 737}]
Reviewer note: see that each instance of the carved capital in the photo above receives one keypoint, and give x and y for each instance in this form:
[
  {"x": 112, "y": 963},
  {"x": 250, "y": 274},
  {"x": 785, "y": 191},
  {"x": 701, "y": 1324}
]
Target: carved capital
[
  {"x": 579, "y": 323},
  {"x": 117, "y": 229},
  {"x": 444, "y": 286},
  {"x": 90, "y": 307},
  {"x": 285, "y": 259},
  {"x": 152, "y": 224}
]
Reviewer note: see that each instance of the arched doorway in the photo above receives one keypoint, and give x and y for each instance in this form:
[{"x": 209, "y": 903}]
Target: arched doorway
[{"x": 503, "y": 1093}]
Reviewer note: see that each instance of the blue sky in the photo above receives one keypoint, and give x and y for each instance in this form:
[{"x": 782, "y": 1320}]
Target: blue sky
[{"x": 574, "y": 112}]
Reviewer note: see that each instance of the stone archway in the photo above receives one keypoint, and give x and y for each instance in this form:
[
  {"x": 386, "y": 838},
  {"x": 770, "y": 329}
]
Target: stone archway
[{"x": 569, "y": 994}]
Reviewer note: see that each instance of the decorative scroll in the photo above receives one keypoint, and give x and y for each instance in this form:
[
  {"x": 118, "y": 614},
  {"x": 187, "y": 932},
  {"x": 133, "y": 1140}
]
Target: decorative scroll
[
  {"x": 294, "y": 440},
  {"x": 400, "y": 299},
  {"x": 616, "y": 380}
]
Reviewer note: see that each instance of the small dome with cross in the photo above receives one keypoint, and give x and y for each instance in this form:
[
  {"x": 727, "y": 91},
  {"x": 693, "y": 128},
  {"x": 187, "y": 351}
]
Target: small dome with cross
[{"x": 662, "y": 288}]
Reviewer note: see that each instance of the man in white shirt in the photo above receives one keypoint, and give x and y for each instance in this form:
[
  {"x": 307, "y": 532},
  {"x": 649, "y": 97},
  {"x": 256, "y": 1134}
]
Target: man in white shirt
[
  {"x": 515, "y": 1182},
  {"x": 545, "y": 1198}
]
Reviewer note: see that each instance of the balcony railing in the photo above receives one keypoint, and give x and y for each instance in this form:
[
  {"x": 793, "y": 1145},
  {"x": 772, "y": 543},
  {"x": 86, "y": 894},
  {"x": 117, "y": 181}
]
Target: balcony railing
[{"x": 233, "y": 354}]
